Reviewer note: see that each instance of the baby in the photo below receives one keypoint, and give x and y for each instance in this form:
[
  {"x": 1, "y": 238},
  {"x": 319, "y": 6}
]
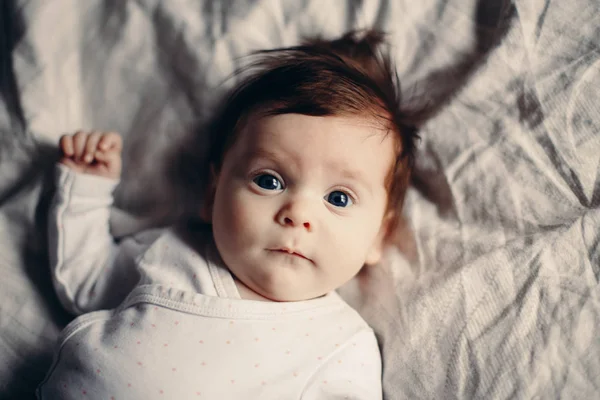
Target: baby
[{"x": 309, "y": 160}]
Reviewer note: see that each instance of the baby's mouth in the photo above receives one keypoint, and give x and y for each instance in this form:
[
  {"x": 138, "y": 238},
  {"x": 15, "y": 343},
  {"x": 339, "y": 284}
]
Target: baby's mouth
[{"x": 291, "y": 252}]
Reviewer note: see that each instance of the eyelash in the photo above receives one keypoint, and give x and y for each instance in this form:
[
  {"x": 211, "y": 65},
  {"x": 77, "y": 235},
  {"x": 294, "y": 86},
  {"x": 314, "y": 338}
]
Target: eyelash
[
  {"x": 347, "y": 192},
  {"x": 255, "y": 175}
]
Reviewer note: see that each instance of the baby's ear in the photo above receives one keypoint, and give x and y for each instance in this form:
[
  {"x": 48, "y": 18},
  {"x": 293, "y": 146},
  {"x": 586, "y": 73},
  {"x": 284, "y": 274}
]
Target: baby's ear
[
  {"x": 383, "y": 238},
  {"x": 209, "y": 196}
]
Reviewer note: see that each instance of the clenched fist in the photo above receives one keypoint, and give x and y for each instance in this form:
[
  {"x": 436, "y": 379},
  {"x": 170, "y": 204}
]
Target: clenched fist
[{"x": 94, "y": 153}]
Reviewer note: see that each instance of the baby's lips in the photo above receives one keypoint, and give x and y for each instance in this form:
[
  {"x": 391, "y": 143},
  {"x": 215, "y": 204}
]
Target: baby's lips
[{"x": 290, "y": 251}]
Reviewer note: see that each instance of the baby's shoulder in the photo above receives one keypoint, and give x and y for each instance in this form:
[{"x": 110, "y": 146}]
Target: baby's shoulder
[
  {"x": 341, "y": 317},
  {"x": 176, "y": 239}
]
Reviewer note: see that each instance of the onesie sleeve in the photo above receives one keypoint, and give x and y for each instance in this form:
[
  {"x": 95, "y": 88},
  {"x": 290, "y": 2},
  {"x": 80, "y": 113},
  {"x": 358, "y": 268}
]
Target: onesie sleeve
[
  {"x": 90, "y": 270},
  {"x": 353, "y": 372}
]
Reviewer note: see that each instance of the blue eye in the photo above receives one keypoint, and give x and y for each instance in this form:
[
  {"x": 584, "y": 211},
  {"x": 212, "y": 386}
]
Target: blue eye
[
  {"x": 339, "y": 199},
  {"x": 268, "y": 182}
]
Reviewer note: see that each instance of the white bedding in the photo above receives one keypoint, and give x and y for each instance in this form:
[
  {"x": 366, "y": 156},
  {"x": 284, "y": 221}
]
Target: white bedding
[{"x": 504, "y": 299}]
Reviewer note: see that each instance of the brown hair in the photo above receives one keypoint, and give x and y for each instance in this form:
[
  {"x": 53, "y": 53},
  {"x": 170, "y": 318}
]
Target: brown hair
[{"x": 348, "y": 76}]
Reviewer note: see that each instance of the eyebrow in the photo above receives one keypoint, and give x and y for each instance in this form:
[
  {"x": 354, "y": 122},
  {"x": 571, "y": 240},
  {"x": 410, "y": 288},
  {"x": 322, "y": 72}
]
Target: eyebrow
[
  {"x": 263, "y": 153},
  {"x": 355, "y": 175}
]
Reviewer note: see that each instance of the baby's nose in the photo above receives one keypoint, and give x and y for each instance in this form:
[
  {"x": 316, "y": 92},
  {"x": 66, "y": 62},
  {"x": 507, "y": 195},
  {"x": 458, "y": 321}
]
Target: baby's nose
[
  {"x": 296, "y": 214},
  {"x": 289, "y": 221}
]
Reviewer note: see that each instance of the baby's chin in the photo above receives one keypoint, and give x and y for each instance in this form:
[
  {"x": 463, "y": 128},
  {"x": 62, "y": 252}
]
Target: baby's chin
[{"x": 276, "y": 276}]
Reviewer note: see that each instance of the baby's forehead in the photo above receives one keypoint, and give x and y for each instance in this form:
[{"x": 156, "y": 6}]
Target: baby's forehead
[
  {"x": 340, "y": 143},
  {"x": 259, "y": 126}
]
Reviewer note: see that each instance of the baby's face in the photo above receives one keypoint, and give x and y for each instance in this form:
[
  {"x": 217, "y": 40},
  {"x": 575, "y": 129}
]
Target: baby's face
[{"x": 299, "y": 203}]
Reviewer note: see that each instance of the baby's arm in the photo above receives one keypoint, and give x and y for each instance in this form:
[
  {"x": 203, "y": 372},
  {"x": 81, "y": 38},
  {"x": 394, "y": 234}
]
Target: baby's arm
[
  {"x": 353, "y": 372},
  {"x": 89, "y": 270}
]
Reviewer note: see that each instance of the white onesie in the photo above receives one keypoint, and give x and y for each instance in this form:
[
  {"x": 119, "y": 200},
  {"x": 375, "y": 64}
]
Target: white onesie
[{"x": 177, "y": 327}]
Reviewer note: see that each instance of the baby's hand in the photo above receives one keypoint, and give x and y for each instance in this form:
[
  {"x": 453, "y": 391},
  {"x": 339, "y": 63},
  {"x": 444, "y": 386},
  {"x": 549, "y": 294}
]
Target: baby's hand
[{"x": 94, "y": 153}]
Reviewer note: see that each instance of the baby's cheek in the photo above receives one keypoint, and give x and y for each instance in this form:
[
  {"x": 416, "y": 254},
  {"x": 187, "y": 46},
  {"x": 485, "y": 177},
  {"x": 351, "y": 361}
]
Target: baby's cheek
[
  {"x": 355, "y": 241},
  {"x": 225, "y": 217},
  {"x": 245, "y": 218},
  {"x": 340, "y": 244}
]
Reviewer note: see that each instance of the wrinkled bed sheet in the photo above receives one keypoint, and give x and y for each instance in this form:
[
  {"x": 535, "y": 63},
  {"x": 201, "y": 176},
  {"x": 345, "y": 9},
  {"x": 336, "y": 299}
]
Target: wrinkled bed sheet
[{"x": 503, "y": 300}]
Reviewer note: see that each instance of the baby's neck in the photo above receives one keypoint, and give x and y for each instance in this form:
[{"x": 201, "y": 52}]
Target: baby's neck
[{"x": 246, "y": 293}]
